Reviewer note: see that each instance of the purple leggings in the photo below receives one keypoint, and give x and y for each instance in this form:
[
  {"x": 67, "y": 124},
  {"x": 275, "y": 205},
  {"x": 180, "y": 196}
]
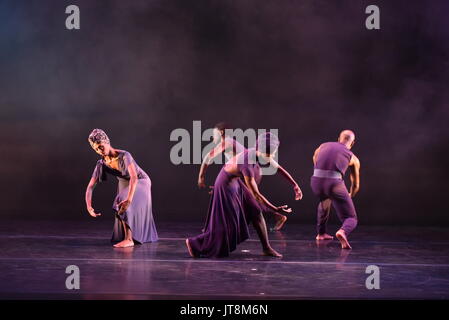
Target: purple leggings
[{"x": 333, "y": 192}]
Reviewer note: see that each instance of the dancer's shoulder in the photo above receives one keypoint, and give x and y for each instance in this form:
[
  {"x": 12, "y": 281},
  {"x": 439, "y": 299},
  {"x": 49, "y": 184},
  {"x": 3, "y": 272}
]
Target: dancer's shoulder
[{"x": 123, "y": 153}]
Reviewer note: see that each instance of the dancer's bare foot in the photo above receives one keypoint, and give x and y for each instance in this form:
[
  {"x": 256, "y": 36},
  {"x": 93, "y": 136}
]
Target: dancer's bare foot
[
  {"x": 124, "y": 244},
  {"x": 189, "y": 248},
  {"x": 341, "y": 236},
  {"x": 272, "y": 253},
  {"x": 321, "y": 237},
  {"x": 280, "y": 223}
]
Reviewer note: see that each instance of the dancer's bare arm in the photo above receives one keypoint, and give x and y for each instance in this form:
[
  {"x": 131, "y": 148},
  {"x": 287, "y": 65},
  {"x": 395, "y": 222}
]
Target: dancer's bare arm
[
  {"x": 296, "y": 188},
  {"x": 89, "y": 191},
  {"x": 215, "y": 152},
  {"x": 132, "y": 188},
  {"x": 354, "y": 165},
  {"x": 252, "y": 186},
  {"x": 286, "y": 175},
  {"x": 315, "y": 155}
]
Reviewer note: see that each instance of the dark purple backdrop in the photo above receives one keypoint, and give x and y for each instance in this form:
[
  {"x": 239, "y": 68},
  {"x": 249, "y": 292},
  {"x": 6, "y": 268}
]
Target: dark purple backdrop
[{"x": 139, "y": 69}]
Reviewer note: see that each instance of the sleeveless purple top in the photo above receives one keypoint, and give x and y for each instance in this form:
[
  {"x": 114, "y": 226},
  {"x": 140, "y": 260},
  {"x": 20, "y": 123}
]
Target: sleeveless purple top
[{"x": 333, "y": 156}]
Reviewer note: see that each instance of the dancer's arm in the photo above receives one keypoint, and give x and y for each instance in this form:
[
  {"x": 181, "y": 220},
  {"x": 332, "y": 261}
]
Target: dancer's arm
[
  {"x": 354, "y": 165},
  {"x": 252, "y": 186},
  {"x": 296, "y": 188},
  {"x": 133, "y": 179},
  {"x": 89, "y": 191},
  {"x": 287, "y": 175},
  {"x": 215, "y": 152},
  {"x": 315, "y": 155}
]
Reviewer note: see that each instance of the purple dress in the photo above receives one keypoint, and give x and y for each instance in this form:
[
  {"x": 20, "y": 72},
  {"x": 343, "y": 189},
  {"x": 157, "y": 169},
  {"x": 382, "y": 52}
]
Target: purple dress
[
  {"x": 139, "y": 215},
  {"x": 231, "y": 208}
]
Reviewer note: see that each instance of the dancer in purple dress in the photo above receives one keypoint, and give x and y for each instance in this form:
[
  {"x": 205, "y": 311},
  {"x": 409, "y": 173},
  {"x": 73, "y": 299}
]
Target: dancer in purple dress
[
  {"x": 224, "y": 145},
  {"x": 236, "y": 202},
  {"x": 331, "y": 160},
  {"x": 230, "y": 148},
  {"x": 132, "y": 205}
]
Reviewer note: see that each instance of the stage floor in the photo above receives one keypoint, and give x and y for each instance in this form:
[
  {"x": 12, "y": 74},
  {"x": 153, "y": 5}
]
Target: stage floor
[{"x": 413, "y": 262}]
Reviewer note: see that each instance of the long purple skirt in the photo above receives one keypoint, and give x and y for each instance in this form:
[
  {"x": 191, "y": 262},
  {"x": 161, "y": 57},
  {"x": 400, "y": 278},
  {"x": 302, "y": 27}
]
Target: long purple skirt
[
  {"x": 138, "y": 216},
  {"x": 231, "y": 208}
]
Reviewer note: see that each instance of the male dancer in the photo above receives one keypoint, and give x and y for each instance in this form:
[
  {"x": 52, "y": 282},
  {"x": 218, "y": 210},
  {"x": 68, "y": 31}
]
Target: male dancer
[{"x": 331, "y": 160}]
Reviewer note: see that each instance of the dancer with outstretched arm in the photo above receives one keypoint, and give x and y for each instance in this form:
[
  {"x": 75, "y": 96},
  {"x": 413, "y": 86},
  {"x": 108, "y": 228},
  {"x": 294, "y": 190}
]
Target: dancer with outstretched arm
[
  {"x": 236, "y": 203},
  {"x": 280, "y": 218},
  {"x": 132, "y": 205},
  {"x": 331, "y": 160},
  {"x": 223, "y": 145},
  {"x": 230, "y": 147}
]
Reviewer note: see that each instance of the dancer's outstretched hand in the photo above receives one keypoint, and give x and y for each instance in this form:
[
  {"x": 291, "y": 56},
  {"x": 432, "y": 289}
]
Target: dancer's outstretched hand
[
  {"x": 92, "y": 212},
  {"x": 123, "y": 206},
  {"x": 298, "y": 192},
  {"x": 211, "y": 189},
  {"x": 284, "y": 208}
]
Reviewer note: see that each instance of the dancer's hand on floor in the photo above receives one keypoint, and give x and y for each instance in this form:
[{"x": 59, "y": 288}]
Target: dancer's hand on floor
[
  {"x": 92, "y": 212},
  {"x": 284, "y": 208},
  {"x": 123, "y": 206},
  {"x": 298, "y": 192}
]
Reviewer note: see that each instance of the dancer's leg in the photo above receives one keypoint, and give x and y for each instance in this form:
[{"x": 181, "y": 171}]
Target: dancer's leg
[
  {"x": 323, "y": 211},
  {"x": 128, "y": 241},
  {"x": 280, "y": 221},
  {"x": 261, "y": 228},
  {"x": 320, "y": 189},
  {"x": 344, "y": 207},
  {"x": 129, "y": 233},
  {"x": 189, "y": 248}
]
